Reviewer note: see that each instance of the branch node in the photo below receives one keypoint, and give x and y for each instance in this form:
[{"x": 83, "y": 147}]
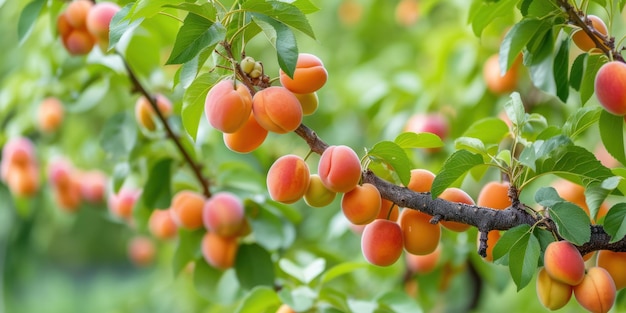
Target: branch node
[
  {"x": 435, "y": 219},
  {"x": 482, "y": 247}
]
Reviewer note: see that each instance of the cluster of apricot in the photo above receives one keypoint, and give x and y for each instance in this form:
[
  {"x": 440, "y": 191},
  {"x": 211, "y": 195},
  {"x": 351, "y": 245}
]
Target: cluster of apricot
[
  {"x": 84, "y": 24},
  {"x": 245, "y": 119},
  {"x": 71, "y": 186},
  {"x": 50, "y": 115},
  {"x": 19, "y": 168}
]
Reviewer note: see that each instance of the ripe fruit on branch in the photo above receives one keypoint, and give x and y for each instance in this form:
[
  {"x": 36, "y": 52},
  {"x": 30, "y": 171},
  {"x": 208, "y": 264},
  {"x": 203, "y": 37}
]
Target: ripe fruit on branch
[
  {"x": 145, "y": 115},
  {"x": 92, "y": 185},
  {"x": 596, "y": 292},
  {"x": 420, "y": 237},
  {"x": 381, "y": 242},
  {"x": 121, "y": 204},
  {"x": 77, "y": 12},
  {"x": 277, "y": 109},
  {"x": 583, "y": 41},
  {"x": 496, "y": 82},
  {"x": 308, "y": 101},
  {"x": 141, "y": 251},
  {"x": 247, "y": 138},
  {"x": 288, "y": 179},
  {"x": 564, "y": 263},
  {"x": 388, "y": 210},
  {"x": 609, "y": 85},
  {"x": 615, "y": 264},
  {"x": 459, "y": 196},
  {"x": 361, "y": 205},
  {"x": 552, "y": 294},
  {"x": 161, "y": 225},
  {"x": 423, "y": 264},
  {"x": 223, "y": 214},
  {"x": 218, "y": 251},
  {"x": 494, "y": 195},
  {"x": 339, "y": 168},
  {"x": 186, "y": 209},
  {"x": 309, "y": 76},
  {"x": 99, "y": 20},
  {"x": 50, "y": 115},
  {"x": 228, "y": 105},
  {"x": 421, "y": 180}
]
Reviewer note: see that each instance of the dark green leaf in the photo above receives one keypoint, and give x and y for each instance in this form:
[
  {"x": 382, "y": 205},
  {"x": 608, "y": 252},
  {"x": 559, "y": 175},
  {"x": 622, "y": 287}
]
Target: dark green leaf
[
  {"x": 615, "y": 222},
  {"x": 576, "y": 74},
  {"x": 508, "y": 239},
  {"x": 254, "y": 266},
  {"x": 560, "y": 66},
  {"x": 157, "y": 192},
  {"x": 282, "y": 38},
  {"x": 28, "y": 17},
  {"x": 394, "y": 156},
  {"x": 545, "y": 237},
  {"x": 412, "y": 140},
  {"x": 454, "y": 167},
  {"x": 282, "y": 12},
  {"x": 196, "y": 35},
  {"x": 119, "y": 135},
  {"x": 572, "y": 222},
  {"x": 523, "y": 259},
  {"x": 593, "y": 64},
  {"x": 259, "y": 299},
  {"x": 540, "y": 60},
  {"x": 612, "y": 135}
]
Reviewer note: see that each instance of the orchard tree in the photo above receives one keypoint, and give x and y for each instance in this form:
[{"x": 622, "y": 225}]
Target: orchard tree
[{"x": 314, "y": 156}]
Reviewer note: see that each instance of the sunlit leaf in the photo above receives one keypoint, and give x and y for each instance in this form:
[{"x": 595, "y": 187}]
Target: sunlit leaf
[
  {"x": 459, "y": 163},
  {"x": 612, "y": 135},
  {"x": 258, "y": 299},
  {"x": 394, "y": 156},
  {"x": 28, "y": 17},
  {"x": 196, "y": 35},
  {"x": 119, "y": 135}
]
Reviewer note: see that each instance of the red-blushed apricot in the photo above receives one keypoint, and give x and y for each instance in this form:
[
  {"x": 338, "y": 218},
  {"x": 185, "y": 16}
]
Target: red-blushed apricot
[
  {"x": 552, "y": 294},
  {"x": 288, "y": 179},
  {"x": 23, "y": 181},
  {"x": 423, "y": 264},
  {"x": 564, "y": 263},
  {"x": 64, "y": 28},
  {"x": 68, "y": 197},
  {"x": 161, "y": 225},
  {"x": 615, "y": 264},
  {"x": 284, "y": 308},
  {"x": 350, "y": 12},
  {"x": 421, "y": 180},
  {"x": 310, "y": 75},
  {"x": 308, "y": 101},
  {"x": 277, "y": 109},
  {"x": 583, "y": 41},
  {"x": 79, "y": 42},
  {"x": 494, "y": 195},
  {"x": 610, "y": 83},
  {"x": 420, "y": 237},
  {"x": 50, "y": 115},
  {"x": 187, "y": 209},
  {"x": 459, "y": 196},
  {"x": 77, "y": 12},
  {"x": 339, "y": 168},
  {"x": 596, "y": 292},
  {"x": 492, "y": 238},
  {"x": 407, "y": 12},
  {"x": 99, "y": 20},
  {"x": 121, "y": 204},
  {"x": 93, "y": 185},
  {"x": 223, "y": 214},
  {"x": 361, "y": 205},
  {"x": 317, "y": 195},
  {"x": 144, "y": 113},
  {"x": 18, "y": 154},
  {"x": 434, "y": 123},
  {"x": 228, "y": 105},
  {"x": 247, "y": 138},
  {"x": 381, "y": 242},
  {"x": 388, "y": 210},
  {"x": 141, "y": 251},
  {"x": 218, "y": 251},
  {"x": 495, "y": 81}
]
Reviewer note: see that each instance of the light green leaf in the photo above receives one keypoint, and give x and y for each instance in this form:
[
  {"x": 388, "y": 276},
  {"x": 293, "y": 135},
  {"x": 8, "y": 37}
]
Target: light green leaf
[
  {"x": 412, "y": 140},
  {"x": 394, "y": 156},
  {"x": 581, "y": 120},
  {"x": 282, "y": 38},
  {"x": 187, "y": 248},
  {"x": 119, "y": 135},
  {"x": 506, "y": 242},
  {"x": 119, "y": 25},
  {"x": 205, "y": 10},
  {"x": 342, "y": 269},
  {"x": 196, "y": 35},
  {"x": 482, "y": 13},
  {"x": 593, "y": 64},
  {"x": 282, "y": 12},
  {"x": 547, "y": 197},
  {"x": 28, "y": 17},
  {"x": 514, "y": 109},
  {"x": 516, "y": 38},
  {"x": 215, "y": 285},
  {"x": 612, "y": 134},
  {"x": 259, "y": 299},
  {"x": 523, "y": 259},
  {"x": 490, "y": 130},
  {"x": 300, "y": 299},
  {"x": 193, "y": 102},
  {"x": 454, "y": 167}
]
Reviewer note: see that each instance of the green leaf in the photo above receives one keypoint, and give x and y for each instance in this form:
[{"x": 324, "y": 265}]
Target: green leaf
[
  {"x": 540, "y": 61},
  {"x": 157, "y": 191},
  {"x": 259, "y": 299},
  {"x": 593, "y": 64},
  {"x": 193, "y": 102},
  {"x": 205, "y": 10},
  {"x": 215, "y": 285},
  {"x": 282, "y": 12},
  {"x": 523, "y": 259},
  {"x": 615, "y": 222},
  {"x": 268, "y": 228},
  {"x": 545, "y": 237},
  {"x": 576, "y": 73},
  {"x": 516, "y": 39},
  {"x": 560, "y": 67},
  {"x": 119, "y": 135},
  {"x": 514, "y": 109},
  {"x": 490, "y": 130},
  {"x": 482, "y": 13},
  {"x": 254, "y": 266},
  {"x": 547, "y": 197},
  {"x": 506, "y": 242},
  {"x": 304, "y": 275},
  {"x": 28, "y": 17},
  {"x": 412, "y": 140},
  {"x": 187, "y": 248},
  {"x": 119, "y": 25},
  {"x": 581, "y": 120},
  {"x": 300, "y": 299},
  {"x": 306, "y": 6},
  {"x": 282, "y": 38},
  {"x": 394, "y": 156},
  {"x": 91, "y": 96},
  {"x": 120, "y": 173},
  {"x": 612, "y": 134},
  {"x": 399, "y": 302},
  {"x": 572, "y": 222},
  {"x": 539, "y": 9},
  {"x": 342, "y": 269},
  {"x": 454, "y": 167},
  {"x": 196, "y": 35},
  {"x": 470, "y": 144}
]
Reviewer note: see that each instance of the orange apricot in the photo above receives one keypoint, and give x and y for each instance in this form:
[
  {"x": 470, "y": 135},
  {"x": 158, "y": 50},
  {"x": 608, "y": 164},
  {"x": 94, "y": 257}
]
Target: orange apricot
[
  {"x": 381, "y": 242},
  {"x": 423, "y": 264},
  {"x": 99, "y": 20},
  {"x": 78, "y": 42},
  {"x": 388, "y": 210},
  {"x": 277, "y": 110},
  {"x": 77, "y": 12},
  {"x": 93, "y": 185},
  {"x": 494, "y": 195},
  {"x": 161, "y": 224},
  {"x": 23, "y": 181},
  {"x": 247, "y": 138},
  {"x": 596, "y": 292},
  {"x": 564, "y": 263},
  {"x": 615, "y": 264},
  {"x": 420, "y": 237},
  {"x": 407, "y": 12},
  {"x": 552, "y": 294},
  {"x": 317, "y": 195},
  {"x": 495, "y": 81},
  {"x": 187, "y": 209},
  {"x": 459, "y": 196},
  {"x": 50, "y": 115},
  {"x": 218, "y": 251},
  {"x": 421, "y": 180},
  {"x": 228, "y": 105},
  {"x": 121, "y": 204},
  {"x": 583, "y": 41},
  {"x": 141, "y": 251},
  {"x": 310, "y": 75},
  {"x": 308, "y": 101},
  {"x": 68, "y": 197},
  {"x": 361, "y": 205},
  {"x": 339, "y": 168},
  {"x": 288, "y": 179},
  {"x": 223, "y": 214},
  {"x": 144, "y": 113},
  {"x": 609, "y": 87},
  {"x": 64, "y": 28}
]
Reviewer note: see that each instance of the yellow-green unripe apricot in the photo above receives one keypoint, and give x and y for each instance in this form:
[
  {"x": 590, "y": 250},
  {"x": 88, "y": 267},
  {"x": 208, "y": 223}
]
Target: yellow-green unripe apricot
[
  {"x": 317, "y": 195},
  {"x": 247, "y": 64},
  {"x": 308, "y": 101}
]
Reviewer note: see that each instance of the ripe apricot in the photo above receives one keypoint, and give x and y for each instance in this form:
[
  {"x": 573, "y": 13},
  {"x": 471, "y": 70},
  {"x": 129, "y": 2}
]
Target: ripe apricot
[
  {"x": 459, "y": 196},
  {"x": 407, "y": 12},
  {"x": 339, "y": 168},
  {"x": 141, "y": 251},
  {"x": 495, "y": 81},
  {"x": 309, "y": 76},
  {"x": 317, "y": 195},
  {"x": 99, "y": 20},
  {"x": 93, "y": 185},
  {"x": 228, "y": 105},
  {"x": 388, "y": 210},
  {"x": 50, "y": 115},
  {"x": 161, "y": 224},
  {"x": 361, "y": 205},
  {"x": 350, "y": 12},
  {"x": 423, "y": 264},
  {"x": 288, "y": 179},
  {"x": 247, "y": 138},
  {"x": 308, "y": 101},
  {"x": 187, "y": 209},
  {"x": 68, "y": 197},
  {"x": 494, "y": 195},
  {"x": 564, "y": 263},
  {"x": 596, "y": 292},
  {"x": 610, "y": 83},
  {"x": 552, "y": 294},
  {"x": 277, "y": 110},
  {"x": 79, "y": 42},
  {"x": 420, "y": 237},
  {"x": 492, "y": 238},
  {"x": 381, "y": 242},
  {"x": 121, "y": 204},
  {"x": 64, "y": 28},
  {"x": 615, "y": 264},
  {"x": 77, "y": 12},
  {"x": 144, "y": 113},
  {"x": 223, "y": 214},
  {"x": 23, "y": 181},
  {"x": 421, "y": 180},
  {"x": 434, "y": 123},
  {"x": 218, "y": 251},
  {"x": 582, "y": 40}
]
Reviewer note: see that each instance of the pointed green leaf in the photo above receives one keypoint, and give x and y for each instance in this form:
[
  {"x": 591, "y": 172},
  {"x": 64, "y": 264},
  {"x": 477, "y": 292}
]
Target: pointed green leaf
[
  {"x": 547, "y": 197},
  {"x": 514, "y": 109},
  {"x": 412, "y": 140},
  {"x": 581, "y": 120},
  {"x": 572, "y": 222},
  {"x": 576, "y": 73},
  {"x": 254, "y": 266},
  {"x": 119, "y": 135},
  {"x": 259, "y": 299},
  {"x": 612, "y": 135},
  {"x": 187, "y": 248},
  {"x": 28, "y": 17},
  {"x": 205, "y": 10},
  {"x": 470, "y": 144},
  {"x": 482, "y": 13},
  {"x": 119, "y": 25},
  {"x": 196, "y": 35},
  {"x": 282, "y": 12},
  {"x": 300, "y": 299},
  {"x": 560, "y": 69},
  {"x": 157, "y": 190},
  {"x": 593, "y": 64},
  {"x": 516, "y": 38},
  {"x": 506, "y": 242},
  {"x": 193, "y": 102},
  {"x": 282, "y": 38},
  {"x": 454, "y": 167},
  {"x": 523, "y": 259},
  {"x": 391, "y": 154},
  {"x": 489, "y": 130},
  {"x": 615, "y": 222}
]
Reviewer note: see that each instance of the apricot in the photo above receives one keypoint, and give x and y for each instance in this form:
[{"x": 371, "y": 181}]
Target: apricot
[
  {"x": 141, "y": 251},
  {"x": 144, "y": 113},
  {"x": 388, "y": 210},
  {"x": 317, "y": 195},
  {"x": 247, "y": 138},
  {"x": 50, "y": 115},
  {"x": 350, "y": 12},
  {"x": 223, "y": 214},
  {"x": 78, "y": 42},
  {"x": 552, "y": 294},
  {"x": 381, "y": 242},
  {"x": 284, "y": 308},
  {"x": 610, "y": 83},
  {"x": 310, "y": 75},
  {"x": 459, "y": 196},
  {"x": 18, "y": 151},
  {"x": 434, "y": 123},
  {"x": 247, "y": 64},
  {"x": 228, "y": 105},
  {"x": 187, "y": 209},
  {"x": 93, "y": 185},
  {"x": 161, "y": 224},
  {"x": 277, "y": 110},
  {"x": 361, "y": 205},
  {"x": 575, "y": 194},
  {"x": 423, "y": 264},
  {"x": 23, "y": 182},
  {"x": 308, "y": 101},
  {"x": 121, "y": 204},
  {"x": 421, "y": 180},
  {"x": 420, "y": 237},
  {"x": 564, "y": 263},
  {"x": 407, "y": 12},
  {"x": 99, "y": 20},
  {"x": 68, "y": 197},
  {"x": 60, "y": 173},
  {"x": 218, "y": 251},
  {"x": 596, "y": 292},
  {"x": 492, "y": 238},
  {"x": 77, "y": 12},
  {"x": 583, "y": 41},
  {"x": 494, "y": 195},
  {"x": 64, "y": 28},
  {"x": 288, "y": 179},
  {"x": 615, "y": 264},
  {"x": 495, "y": 81},
  {"x": 339, "y": 168}
]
